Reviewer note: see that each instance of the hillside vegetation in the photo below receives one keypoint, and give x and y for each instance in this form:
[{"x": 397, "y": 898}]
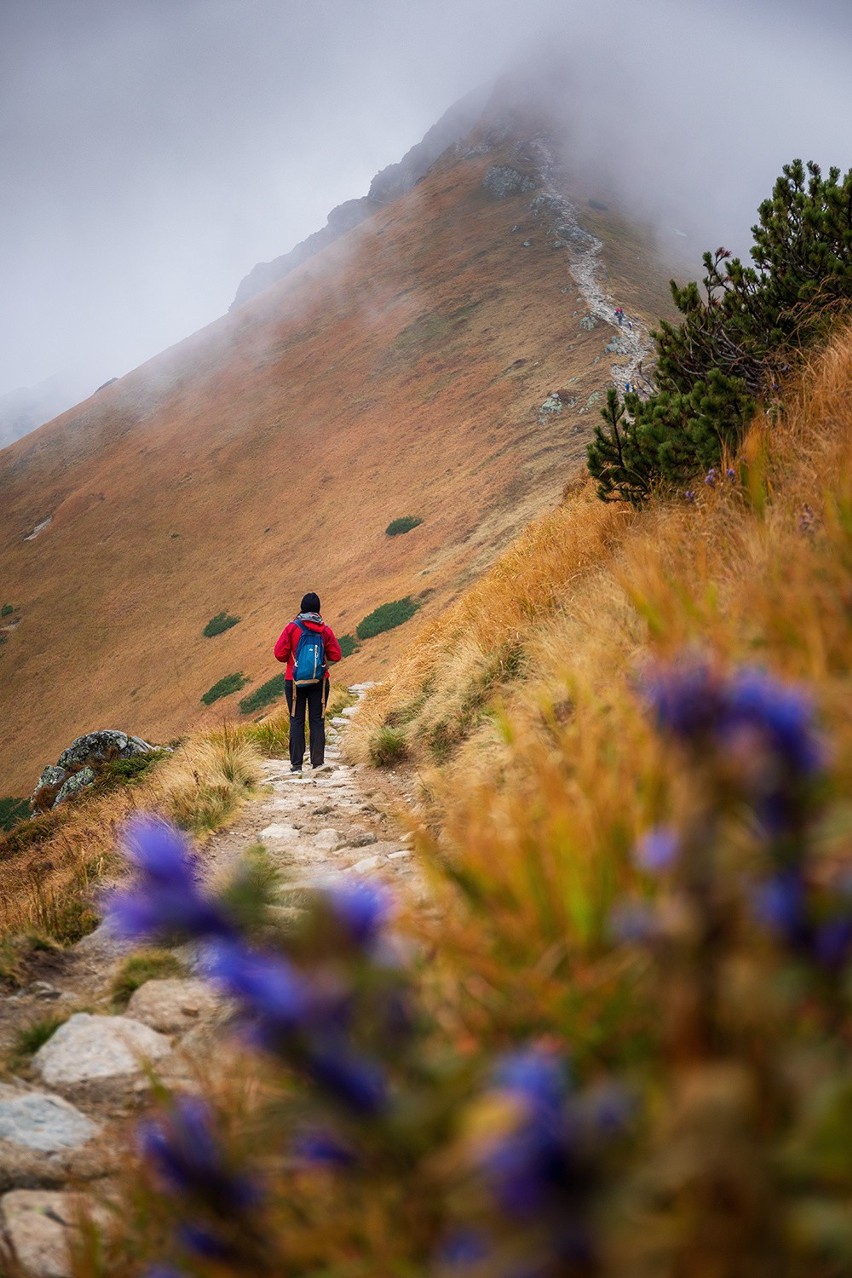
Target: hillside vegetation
[{"x": 620, "y": 1049}]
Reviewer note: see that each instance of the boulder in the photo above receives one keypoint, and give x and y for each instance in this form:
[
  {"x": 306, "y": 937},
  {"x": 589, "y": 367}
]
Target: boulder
[
  {"x": 49, "y": 784},
  {"x": 41, "y": 1121},
  {"x": 173, "y": 1005},
  {"x": 75, "y": 783},
  {"x": 101, "y": 747},
  {"x": 38, "y": 1223},
  {"x": 89, "y": 1048}
]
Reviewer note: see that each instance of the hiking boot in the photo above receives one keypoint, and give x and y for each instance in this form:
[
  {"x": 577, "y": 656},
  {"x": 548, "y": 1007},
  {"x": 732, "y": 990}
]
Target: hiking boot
[
  {"x": 298, "y": 770},
  {"x": 322, "y": 767}
]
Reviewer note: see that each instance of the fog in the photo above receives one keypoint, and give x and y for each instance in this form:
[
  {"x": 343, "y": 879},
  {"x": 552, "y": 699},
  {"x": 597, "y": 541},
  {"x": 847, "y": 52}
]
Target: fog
[{"x": 153, "y": 150}]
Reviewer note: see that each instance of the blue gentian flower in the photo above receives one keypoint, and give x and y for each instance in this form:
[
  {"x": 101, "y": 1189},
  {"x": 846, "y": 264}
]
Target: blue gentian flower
[
  {"x": 657, "y": 849},
  {"x": 357, "y": 1083},
  {"x": 166, "y": 897},
  {"x": 361, "y": 909},
  {"x": 268, "y": 988},
  {"x": 185, "y": 1152}
]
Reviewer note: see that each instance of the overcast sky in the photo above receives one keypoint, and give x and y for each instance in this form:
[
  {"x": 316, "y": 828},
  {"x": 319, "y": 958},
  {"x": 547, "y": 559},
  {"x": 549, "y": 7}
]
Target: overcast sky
[{"x": 151, "y": 151}]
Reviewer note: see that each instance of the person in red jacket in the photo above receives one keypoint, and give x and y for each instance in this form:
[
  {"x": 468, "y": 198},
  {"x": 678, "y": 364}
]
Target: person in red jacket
[{"x": 312, "y": 698}]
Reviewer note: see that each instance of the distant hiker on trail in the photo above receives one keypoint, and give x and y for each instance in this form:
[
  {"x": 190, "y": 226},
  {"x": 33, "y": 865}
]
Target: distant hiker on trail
[
  {"x": 307, "y": 644},
  {"x": 619, "y": 315}
]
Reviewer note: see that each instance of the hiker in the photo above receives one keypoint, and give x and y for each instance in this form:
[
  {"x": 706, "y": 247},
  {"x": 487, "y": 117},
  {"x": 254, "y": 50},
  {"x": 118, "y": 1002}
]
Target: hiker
[
  {"x": 307, "y": 690},
  {"x": 619, "y": 315}
]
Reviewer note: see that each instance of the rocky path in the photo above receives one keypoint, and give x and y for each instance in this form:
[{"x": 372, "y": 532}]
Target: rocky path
[{"x": 66, "y": 1118}]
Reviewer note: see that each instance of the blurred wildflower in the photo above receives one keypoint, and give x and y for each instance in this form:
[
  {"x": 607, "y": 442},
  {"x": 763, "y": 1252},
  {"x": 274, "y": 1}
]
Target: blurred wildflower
[
  {"x": 657, "y": 849},
  {"x": 711, "y": 477},
  {"x": 322, "y": 1148},
  {"x": 689, "y": 495},
  {"x": 166, "y": 898},
  {"x": 267, "y": 987},
  {"x": 361, "y": 909},
  {"x": 188, "y": 1157},
  {"x": 730, "y": 474}
]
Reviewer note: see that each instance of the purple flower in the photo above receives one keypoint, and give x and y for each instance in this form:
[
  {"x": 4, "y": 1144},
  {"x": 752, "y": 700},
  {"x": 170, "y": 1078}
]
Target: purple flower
[
  {"x": 269, "y": 989},
  {"x": 634, "y": 922},
  {"x": 782, "y": 715},
  {"x": 686, "y": 700},
  {"x": 166, "y": 897},
  {"x": 781, "y": 904},
  {"x": 185, "y": 1152},
  {"x": 833, "y": 941},
  {"x": 462, "y": 1249},
  {"x": 361, "y": 909},
  {"x": 202, "y": 1242},
  {"x": 689, "y": 495},
  {"x": 657, "y": 849},
  {"x": 323, "y": 1148},
  {"x": 711, "y": 477},
  {"x": 730, "y": 474},
  {"x": 537, "y": 1076},
  {"x": 358, "y": 1084}
]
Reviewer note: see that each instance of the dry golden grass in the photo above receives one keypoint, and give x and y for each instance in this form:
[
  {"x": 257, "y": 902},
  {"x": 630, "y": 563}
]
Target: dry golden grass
[
  {"x": 48, "y": 886},
  {"x": 530, "y": 821}
]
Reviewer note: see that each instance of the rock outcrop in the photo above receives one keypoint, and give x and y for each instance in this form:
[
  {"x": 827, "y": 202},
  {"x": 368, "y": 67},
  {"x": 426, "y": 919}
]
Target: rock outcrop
[{"x": 79, "y": 765}]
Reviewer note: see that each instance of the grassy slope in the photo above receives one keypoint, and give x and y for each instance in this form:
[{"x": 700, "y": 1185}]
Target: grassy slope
[
  {"x": 266, "y": 455},
  {"x": 558, "y": 768}
]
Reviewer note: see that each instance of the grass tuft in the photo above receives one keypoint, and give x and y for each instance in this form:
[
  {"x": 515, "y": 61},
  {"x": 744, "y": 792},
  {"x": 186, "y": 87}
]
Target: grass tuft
[
  {"x": 264, "y": 695},
  {"x": 387, "y": 747},
  {"x": 146, "y": 965}
]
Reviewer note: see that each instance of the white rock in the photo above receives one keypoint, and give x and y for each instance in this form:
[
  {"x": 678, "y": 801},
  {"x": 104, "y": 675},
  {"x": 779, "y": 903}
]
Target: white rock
[
  {"x": 38, "y": 1120},
  {"x": 327, "y": 838},
  {"x": 279, "y": 831},
  {"x": 366, "y": 865},
  {"x": 398, "y": 856},
  {"x": 88, "y": 1047}
]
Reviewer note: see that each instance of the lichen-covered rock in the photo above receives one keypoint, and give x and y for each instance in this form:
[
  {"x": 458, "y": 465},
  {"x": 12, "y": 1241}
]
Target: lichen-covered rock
[
  {"x": 75, "y": 783},
  {"x": 616, "y": 346},
  {"x": 588, "y": 323},
  {"x": 503, "y": 181},
  {"x": 49, "y": 784},
  {"x": 101, "y": 747}
]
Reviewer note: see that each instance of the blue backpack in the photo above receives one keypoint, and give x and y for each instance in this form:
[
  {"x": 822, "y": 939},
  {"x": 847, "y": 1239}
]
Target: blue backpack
[{"x": 309, "y": 658}]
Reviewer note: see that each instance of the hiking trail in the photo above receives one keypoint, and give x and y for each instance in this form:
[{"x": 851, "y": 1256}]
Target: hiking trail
[{"x": 68, "y": 1116}]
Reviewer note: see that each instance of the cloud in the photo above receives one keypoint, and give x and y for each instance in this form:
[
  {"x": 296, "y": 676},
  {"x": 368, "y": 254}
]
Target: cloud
[{"x": 153, "y": 150}]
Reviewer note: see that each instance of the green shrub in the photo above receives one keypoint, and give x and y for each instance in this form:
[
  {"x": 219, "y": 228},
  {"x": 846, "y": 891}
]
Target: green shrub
[
  {"x": 12, "y": 812},
  {"x": 387, "y": 747},
  {"x": 224, "y": 688},
  {"x": 119, "y": 770},
  {"x": 30, "y": 832},
  {"x": 736, "y": 342},
  {"x": 262, "y": 696},
  {"x": 221, "y": 622},
  {"x": 387, "y": 617},
  {"x": 402, "y": 525},
  {"x": 144, "y": 966},
  {"x": 348, "y": 645},
  {"x": 7, "y": 610}
]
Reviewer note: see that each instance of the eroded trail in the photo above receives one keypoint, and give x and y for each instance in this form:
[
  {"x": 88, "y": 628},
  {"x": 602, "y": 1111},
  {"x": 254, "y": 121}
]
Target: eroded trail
[{"x": 67, "y": 1115}]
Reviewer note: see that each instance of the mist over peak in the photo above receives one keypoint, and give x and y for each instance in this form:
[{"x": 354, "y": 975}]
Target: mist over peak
[{"x": 152, "y": 152}]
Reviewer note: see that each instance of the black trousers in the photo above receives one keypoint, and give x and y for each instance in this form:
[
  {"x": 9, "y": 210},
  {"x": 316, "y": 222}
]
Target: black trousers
[{"x": 310, "y": 700}]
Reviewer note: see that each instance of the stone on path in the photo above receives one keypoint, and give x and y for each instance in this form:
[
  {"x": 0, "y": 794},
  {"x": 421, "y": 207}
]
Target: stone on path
[
  {"x": 37, "y": 1223},
  {"x": 97, "y": 1047},
  {"x": 40, "y": 1121},
  {"x": 279, "y": 831},
  {"x": 327, "y": 838},
  {"x": 172, "y": 1005}
]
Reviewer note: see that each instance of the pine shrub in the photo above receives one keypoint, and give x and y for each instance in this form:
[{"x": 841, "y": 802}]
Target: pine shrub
[
  {"x": 348, "y": 645},
  {"x": 736, "y": 342},
  {"x": 262, "y": 696},
  {"x": 387, "y": 617},
  {"x": 402, "y": 525},
  {"x": 218, "y": 624},
  {"x": 224, "y": 687}
]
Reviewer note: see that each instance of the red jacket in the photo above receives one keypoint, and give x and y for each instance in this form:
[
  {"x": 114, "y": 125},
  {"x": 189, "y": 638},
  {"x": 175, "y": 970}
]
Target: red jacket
[{"x": 288, "y": 642}]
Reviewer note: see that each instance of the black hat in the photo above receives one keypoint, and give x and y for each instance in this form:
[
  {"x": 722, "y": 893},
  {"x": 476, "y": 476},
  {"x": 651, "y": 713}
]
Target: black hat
[{"x": 310, "y": 602}]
